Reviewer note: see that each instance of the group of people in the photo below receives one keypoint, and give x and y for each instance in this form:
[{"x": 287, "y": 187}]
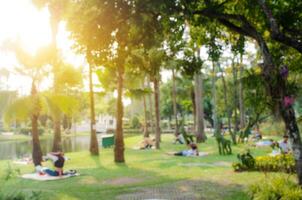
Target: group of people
[{"x": 282, "y": 146}]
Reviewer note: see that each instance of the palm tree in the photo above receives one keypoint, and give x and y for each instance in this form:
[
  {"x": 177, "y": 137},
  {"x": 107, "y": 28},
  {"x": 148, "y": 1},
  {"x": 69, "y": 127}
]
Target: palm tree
[
  {"x": 56, "y": 9},
  {"x": 32, "y": 66},
  {"x": 94, "y": 146}
]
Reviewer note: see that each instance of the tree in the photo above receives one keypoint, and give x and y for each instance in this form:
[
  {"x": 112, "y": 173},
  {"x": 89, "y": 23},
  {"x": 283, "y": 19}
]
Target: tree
[
  {"x": 33, "y": 67},
  {"x": 191, "y": 66},
  {"x": 56, "y": 9},
  {"x": 242, "y": 18},
  {"x": 151, "y": 61}
]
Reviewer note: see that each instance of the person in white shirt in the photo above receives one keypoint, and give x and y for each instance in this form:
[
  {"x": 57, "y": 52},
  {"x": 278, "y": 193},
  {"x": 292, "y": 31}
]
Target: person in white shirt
[
  {"x": 284, "y": 145},
  {"x": 192, "y": 151}
]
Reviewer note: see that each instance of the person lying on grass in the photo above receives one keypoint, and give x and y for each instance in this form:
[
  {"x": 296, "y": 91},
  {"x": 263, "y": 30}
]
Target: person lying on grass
[{"x": 192, "y": 151}]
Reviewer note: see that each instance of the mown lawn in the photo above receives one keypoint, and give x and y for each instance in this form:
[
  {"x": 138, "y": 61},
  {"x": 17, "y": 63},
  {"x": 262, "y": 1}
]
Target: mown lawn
[{"x": 147, "y": 174}]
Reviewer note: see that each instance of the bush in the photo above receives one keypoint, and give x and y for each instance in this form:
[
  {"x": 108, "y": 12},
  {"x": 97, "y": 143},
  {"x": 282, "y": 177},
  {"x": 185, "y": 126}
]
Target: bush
[
  {"x": 279, "y": 163},
  {"x": 21, "y": 196},
  {"x": 275, "y": 188},
  {"x": 246, "y": 162},
  {"x": 27, "y": 130},
  {"x": 11, "y": 172},
  {"x": 135, "y": 123},
  {"x": 16, "y": 196}
]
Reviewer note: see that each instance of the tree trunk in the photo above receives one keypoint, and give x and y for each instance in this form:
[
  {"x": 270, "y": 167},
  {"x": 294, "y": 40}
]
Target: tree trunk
[
  {"x": 150, "y": 108},
  {"x": 215, "y": 119},
  {"x": 174, "y": 102},
  {"x": 235, "y": 91},
  {"x": 157, "y": 112},
  {"x": 119, "y": 147},
  {"x": 194, "y": 106},
  {"x": 241, "y": 99},
  {"x": 276, "y": 86},
  {"x": 57, "y": 143},
  {"x": 288, "y": 115},
  {"x": 146, "y": 131},
  {"x": 200, "y": 134},
  {"x": 227, "y": 107},
  {"x": 37, "y": 152},
  {"x": 94, "y": 146}
]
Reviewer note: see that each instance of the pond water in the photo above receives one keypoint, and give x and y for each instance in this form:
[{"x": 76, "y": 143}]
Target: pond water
[{"x": 19, "y": 149}]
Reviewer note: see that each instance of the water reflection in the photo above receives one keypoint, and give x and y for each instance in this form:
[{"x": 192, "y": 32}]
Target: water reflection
[{"x": 19, "y": 149}]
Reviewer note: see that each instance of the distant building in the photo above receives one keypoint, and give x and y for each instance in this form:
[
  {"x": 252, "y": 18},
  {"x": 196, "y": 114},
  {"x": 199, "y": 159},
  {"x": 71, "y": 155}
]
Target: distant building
[{"x": 104, "y": 123}]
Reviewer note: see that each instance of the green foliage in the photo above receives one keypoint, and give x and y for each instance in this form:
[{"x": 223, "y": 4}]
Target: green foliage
[
  {"x": 11, "y": 172},
  {"x": 22, "y": 196},
  {"x": 135, "y": 123},
  {"x": 278, "y": 187},
  {"x": 246, "y": 162},
  {"x": 18, "y": 111},
  {"x": 56, "y": 104},
  {"x": 279, "y": 163},
  {"x": 27, "y": 130}
]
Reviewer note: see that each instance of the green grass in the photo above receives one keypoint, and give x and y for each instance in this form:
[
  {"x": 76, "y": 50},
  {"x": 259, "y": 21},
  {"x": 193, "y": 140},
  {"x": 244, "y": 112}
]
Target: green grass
[{"x": 144, "y": 170}]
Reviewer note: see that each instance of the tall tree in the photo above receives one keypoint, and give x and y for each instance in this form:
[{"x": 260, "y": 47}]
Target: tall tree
[
  {"x": 33, "y": 67},
  {"x": 174, "y": 102},
  {"x": 94, "y": 146},
  {"x": 56, "y": 9}
]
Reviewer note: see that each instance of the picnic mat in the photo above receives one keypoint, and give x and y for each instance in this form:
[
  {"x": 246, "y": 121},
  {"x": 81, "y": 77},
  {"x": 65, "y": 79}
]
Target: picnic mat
[
  {"x": 38, "y": 177},
  {"x": 139, "y": 148},
  {"x": 200, "y": 154},
  {"x": 214, "y": 164}
]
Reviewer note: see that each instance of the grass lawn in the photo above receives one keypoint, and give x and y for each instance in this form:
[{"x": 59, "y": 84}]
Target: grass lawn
[{"x": 147, "y": 174}]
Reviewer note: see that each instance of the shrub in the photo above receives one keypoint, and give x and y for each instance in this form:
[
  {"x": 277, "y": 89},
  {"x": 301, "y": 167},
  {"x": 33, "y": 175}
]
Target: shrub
[
  {"x": 246, "y": 162},
  {"x": 15, "y": 196},
  {"x": 21, "y": 196},
  {"x": 11, "y": 172},
  {"x": 279, "y": 187},
  {"x": 27, "y": 130},
  {"x": 135, "y": 123},
  {"x": 279, "y": 163}
]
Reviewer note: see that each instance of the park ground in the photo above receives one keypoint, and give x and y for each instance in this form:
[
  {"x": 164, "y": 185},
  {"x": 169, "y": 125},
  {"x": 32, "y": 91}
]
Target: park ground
[{"x": 147, "y": 174}]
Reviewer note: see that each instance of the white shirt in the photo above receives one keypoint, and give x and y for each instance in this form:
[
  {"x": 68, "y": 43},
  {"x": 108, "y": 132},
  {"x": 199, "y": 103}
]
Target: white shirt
[{"x": 285, "y": 147}]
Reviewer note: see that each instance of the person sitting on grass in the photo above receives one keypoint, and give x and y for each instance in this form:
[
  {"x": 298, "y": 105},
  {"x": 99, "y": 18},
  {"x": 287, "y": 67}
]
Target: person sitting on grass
[
  {"x": 275, "y": 148},
  {"x": 58, "y": 160},
  {"x": 192, "y": 151},
  {"x": 147, "y": 143},
  {"x": 179, "y": 138},
  {"x": 284, "y": 145},
  {"x": 257, "y": 134},
  {"x": 183, "y": 132}
]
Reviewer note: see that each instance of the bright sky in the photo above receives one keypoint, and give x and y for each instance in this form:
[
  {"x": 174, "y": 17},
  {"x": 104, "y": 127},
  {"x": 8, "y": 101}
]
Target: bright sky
[{"x": 21, "y": 19}]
